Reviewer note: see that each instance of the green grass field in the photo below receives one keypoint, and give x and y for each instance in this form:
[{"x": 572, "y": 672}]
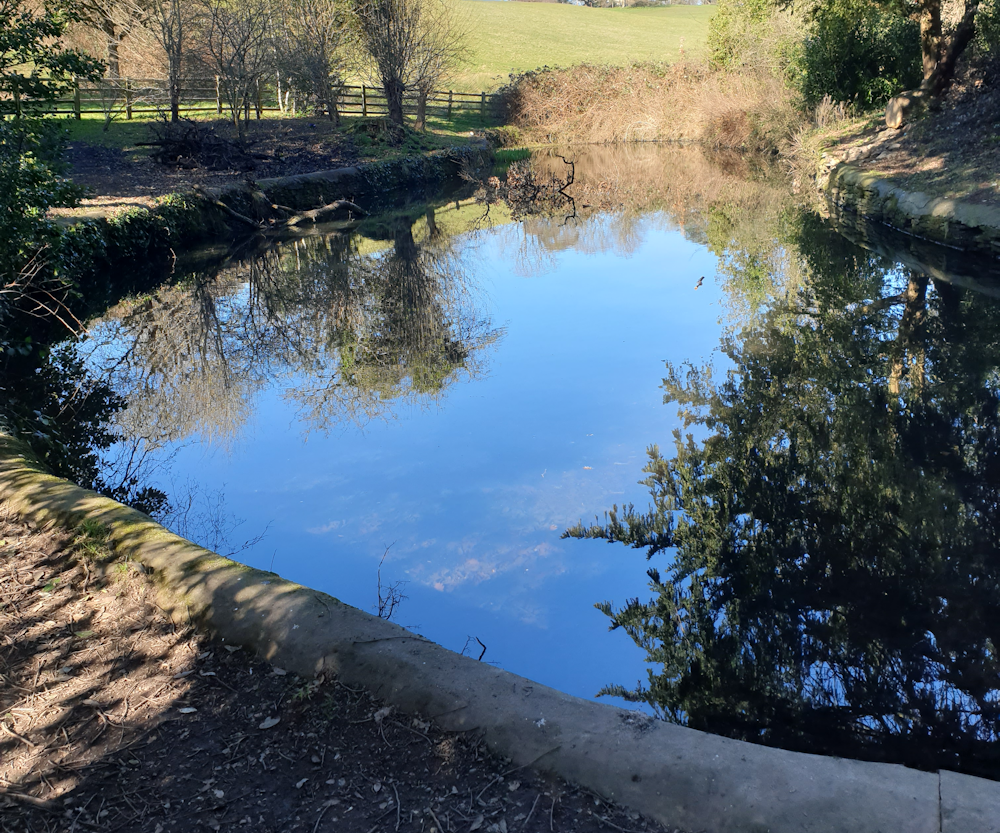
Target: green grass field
[
  {"x": 513, "y": 37},
  {"x": 505, "y": 37}
]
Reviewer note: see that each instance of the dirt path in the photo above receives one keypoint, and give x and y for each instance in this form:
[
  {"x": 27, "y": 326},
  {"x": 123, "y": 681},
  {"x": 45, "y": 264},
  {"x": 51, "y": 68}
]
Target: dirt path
[
  {"x": 114, "y": 718},
  {"x": 127, "y": 175},
  {"x": 119, "y": 171}
]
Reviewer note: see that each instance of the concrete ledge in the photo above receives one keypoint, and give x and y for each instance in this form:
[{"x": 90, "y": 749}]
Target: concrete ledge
[
  {"x": 374, "y": 185},
  {"x": 956, "y": 223},
  {"x": 680, "y": 777}
]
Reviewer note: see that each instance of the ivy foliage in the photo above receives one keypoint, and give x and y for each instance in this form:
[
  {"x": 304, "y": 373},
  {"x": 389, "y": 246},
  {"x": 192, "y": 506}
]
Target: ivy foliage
[
  {"x": 861, "y": 53},
  {"x": 33, "y": 62}
]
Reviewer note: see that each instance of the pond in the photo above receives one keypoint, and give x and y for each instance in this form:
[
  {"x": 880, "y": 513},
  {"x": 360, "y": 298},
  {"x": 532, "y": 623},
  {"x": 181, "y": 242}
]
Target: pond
[{"x": 411, "y": 415}]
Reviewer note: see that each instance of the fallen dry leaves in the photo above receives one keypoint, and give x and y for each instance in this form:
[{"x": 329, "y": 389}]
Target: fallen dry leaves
[{"x": 115, "y": 718}]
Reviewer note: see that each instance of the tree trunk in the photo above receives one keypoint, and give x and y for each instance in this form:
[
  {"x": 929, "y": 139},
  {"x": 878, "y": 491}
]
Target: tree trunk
[
  {"x": 930, "y": 35},
  {"x": 330, "y": 96},
  {"x": 942, "y": 75},
  {"x": 937, "y": 78},
  {"x": 111, "y": 43},
  {"x": 394, "y": 101},
  {"x": 174, "y": 82},
  {"x": 421, "y": 122}
]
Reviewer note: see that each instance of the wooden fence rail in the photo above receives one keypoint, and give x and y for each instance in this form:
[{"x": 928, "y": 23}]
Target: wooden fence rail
[{"x": 130, "y": 97}]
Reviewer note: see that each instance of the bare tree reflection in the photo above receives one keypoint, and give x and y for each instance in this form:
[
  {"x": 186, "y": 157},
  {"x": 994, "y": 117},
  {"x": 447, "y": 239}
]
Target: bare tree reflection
[{"x": 353, "y": 335}]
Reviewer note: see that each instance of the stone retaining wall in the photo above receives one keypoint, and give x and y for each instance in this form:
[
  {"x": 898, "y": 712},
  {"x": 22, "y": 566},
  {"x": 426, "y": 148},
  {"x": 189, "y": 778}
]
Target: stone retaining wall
[
  {"x": 957, "y": 223},
  {"x": 681, "y": 777}
]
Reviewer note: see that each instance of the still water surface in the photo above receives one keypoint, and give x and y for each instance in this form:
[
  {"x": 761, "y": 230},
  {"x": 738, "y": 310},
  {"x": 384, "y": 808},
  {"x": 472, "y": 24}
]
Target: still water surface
[
  {"x": 427, "y": 405},
  {"x": 466, "y": 486}
]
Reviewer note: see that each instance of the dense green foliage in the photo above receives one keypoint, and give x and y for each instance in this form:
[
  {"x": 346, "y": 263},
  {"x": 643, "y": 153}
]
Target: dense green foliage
[
  {"x": 857, "y": 51},
  {"x": 860, "y": 53},
  {"x": 31, "y": 56},
  {"x": 827, "y": 542},
  {"x": 47, "y": 281},
  {"x": 987, "y": 42},
  {"x": 29, "y": 187},
  {"x": 736, "y": 26}
]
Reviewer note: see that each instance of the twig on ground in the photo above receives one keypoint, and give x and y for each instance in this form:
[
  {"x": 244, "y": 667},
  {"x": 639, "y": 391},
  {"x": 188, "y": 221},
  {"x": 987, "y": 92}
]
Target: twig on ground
[
  {"x": 531, "y": 812},
  {"x": 437, "y": 821},
  {"x": 612, "y": 824},
  {"x": 16, "y": 736}
]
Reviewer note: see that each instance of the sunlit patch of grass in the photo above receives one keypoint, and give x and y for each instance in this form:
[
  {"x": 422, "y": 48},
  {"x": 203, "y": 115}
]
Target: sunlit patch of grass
[
  {"x": 92, "y": 541},
  {"x": 514, "y": 37}
]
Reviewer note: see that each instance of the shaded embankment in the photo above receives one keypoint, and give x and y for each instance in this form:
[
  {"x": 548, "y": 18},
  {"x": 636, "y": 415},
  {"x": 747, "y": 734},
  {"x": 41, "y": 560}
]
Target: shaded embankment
[{"x": 676, "y": 775}]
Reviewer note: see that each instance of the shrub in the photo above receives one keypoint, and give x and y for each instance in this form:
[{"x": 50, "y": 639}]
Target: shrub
[
  {"x": 986, "y": 46},
  {"x": 736, "y": 24},
  {"x": 861, "y": 54},
  {"x": 507, "y": 136},
  {"x": 652, "y": 102},
  {"x": 987, "y": 43}
]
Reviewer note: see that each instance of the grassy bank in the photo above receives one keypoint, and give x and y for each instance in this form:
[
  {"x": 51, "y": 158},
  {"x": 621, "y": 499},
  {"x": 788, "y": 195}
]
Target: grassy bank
[{"x": 505, "y": 38}]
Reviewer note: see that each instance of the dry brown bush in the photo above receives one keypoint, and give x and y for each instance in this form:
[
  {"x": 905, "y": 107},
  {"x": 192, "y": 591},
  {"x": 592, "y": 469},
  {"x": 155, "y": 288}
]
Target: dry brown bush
[{"x": 653, "y": 102}]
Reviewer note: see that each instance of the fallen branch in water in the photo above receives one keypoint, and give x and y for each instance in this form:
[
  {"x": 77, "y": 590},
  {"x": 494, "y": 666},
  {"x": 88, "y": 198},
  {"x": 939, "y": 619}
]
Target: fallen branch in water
[
  {"x": 315, "y": 215},
  {"x": 319, "y": 215},
  {"x": 201, "y": 192}
]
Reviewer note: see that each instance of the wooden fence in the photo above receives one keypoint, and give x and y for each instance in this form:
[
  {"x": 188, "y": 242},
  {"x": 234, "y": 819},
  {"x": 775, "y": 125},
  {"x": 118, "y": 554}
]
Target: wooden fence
[{"x": 130, "y": 97}]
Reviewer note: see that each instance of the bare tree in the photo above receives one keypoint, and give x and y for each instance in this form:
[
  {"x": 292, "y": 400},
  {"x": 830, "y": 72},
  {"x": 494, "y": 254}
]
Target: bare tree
[
  {"x": 114, "y": 19},
  {"x": 238, "y": 40},
  {"x": 311, "y": 50},
  {"x": 441, "y": 47},
  {"x": 409, "y": 44},
  {"x": 169, "y": 20}
]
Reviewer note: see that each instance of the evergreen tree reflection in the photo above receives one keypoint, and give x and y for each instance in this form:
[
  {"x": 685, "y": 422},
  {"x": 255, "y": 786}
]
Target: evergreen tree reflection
[{"x": 831, "y": 575}]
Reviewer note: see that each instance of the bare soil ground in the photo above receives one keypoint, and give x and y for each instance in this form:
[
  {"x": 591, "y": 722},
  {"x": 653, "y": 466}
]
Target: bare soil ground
[
  {"x": 124, "y": 176},
  {"x": 115, "y": 718},
  {"x": 119, "y": 170},
  {"x": 953, "y": 152}
]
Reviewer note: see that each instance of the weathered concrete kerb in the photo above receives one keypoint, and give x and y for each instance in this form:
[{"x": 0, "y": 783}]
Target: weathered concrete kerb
[{"x": 683, "y": 778}]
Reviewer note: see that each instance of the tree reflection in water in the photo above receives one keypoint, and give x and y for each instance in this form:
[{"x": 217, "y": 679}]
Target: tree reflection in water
[
  {"x": 355, "y": 334},
  {"x": 830, "y": 539}
]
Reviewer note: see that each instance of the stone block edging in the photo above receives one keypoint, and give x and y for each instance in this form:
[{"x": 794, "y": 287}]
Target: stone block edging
[
  {"x": 952, "y": 222},
  {"x": 681, "y": 777}
]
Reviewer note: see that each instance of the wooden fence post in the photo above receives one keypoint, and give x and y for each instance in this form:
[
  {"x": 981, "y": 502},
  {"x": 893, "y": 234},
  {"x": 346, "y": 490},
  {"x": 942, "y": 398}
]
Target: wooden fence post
[
  {"x": 257, "y": 104},
  {"x": 450, "y": 94},
  {"x": 482, "y": 108},
  {"x": 364, "y": 101},
  {"x": 128, "y": 98},
  {"x": 77, "y": 107},
  {"x": 218, "y": 97},
  {"x": 17, "y": 97}
]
